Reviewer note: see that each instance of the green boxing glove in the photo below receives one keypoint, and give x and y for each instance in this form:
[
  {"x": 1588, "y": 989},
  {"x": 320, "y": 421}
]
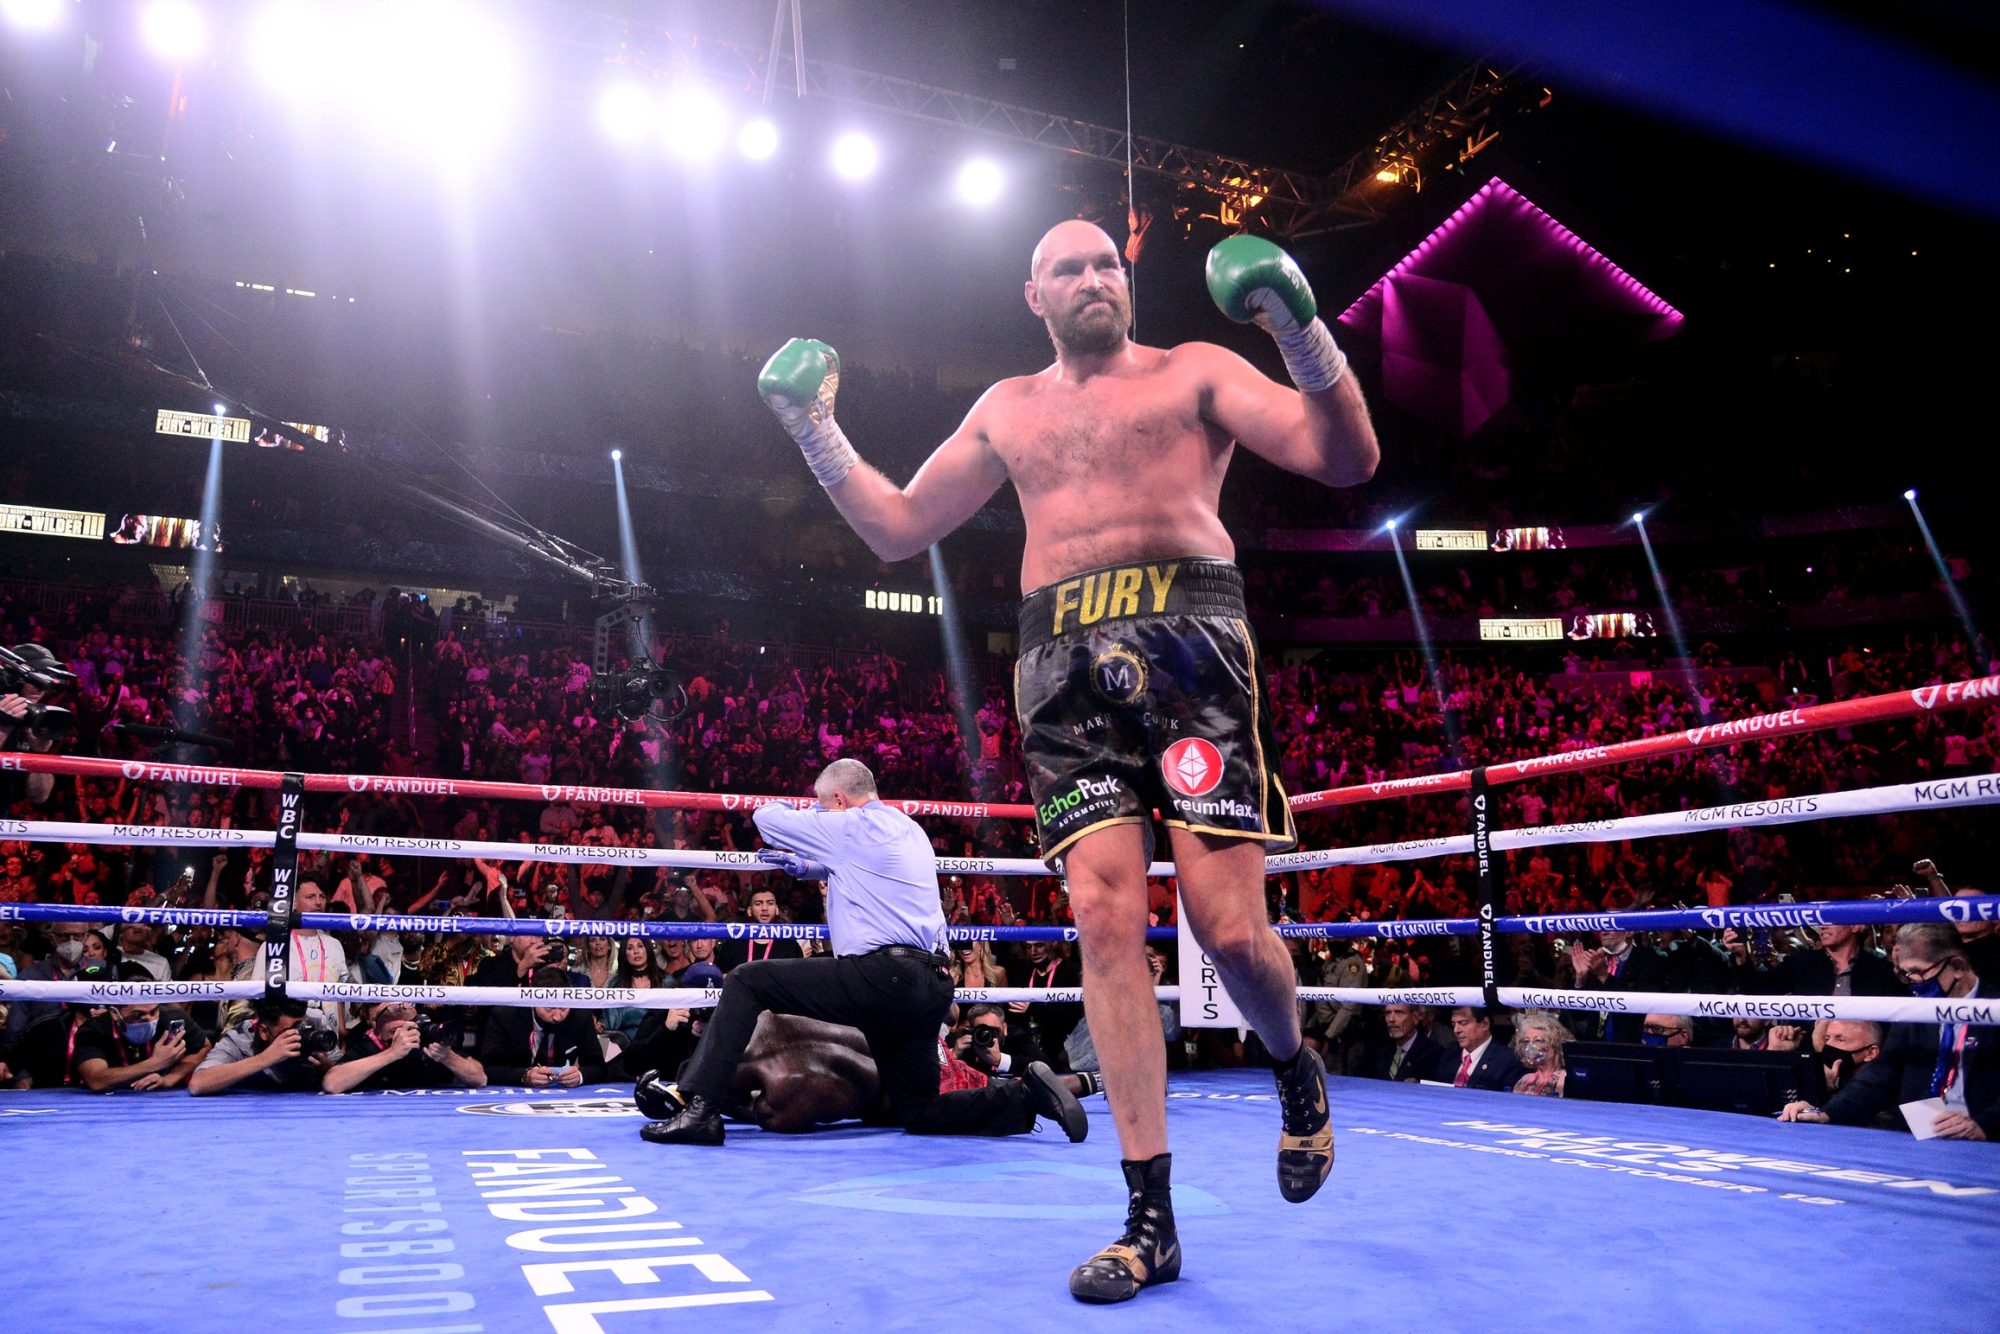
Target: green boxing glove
[
  {"x": 799, "y": 383},
  {"x": 1254, "y": 281}
]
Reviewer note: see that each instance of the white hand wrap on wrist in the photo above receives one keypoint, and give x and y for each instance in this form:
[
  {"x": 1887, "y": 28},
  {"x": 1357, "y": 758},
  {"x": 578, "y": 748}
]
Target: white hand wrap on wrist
[
  {"x": 1312, "y": 359},
  {"x": 826, "y": 449}
]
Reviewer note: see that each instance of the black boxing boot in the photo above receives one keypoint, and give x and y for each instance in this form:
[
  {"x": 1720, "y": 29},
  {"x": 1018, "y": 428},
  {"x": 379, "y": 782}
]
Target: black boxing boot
[
  {"x": 1150, "y": 1250},
  {"x": 1305, "y": 1144},
  {"x": 698, "y": 1123},
  {"x": 657, "y": 1097}
]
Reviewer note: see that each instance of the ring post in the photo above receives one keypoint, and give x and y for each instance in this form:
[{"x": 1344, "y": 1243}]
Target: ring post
[
  {"x": 1489, "y": 885},
  {"x": 284, "y": 881}
]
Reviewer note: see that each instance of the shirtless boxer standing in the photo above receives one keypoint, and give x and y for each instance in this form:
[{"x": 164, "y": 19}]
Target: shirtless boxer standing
[{"x": 1137, "y": 683}]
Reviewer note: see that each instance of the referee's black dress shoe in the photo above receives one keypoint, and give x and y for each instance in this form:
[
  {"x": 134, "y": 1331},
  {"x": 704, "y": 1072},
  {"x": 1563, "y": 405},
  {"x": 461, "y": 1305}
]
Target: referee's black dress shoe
[
  {"x": 1051, "y": 1098},
  {"x": 698, "y": 1123}
]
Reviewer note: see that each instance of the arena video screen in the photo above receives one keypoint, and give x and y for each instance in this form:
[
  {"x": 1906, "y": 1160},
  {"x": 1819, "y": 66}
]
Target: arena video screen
[{"x": 159, "y": 530}]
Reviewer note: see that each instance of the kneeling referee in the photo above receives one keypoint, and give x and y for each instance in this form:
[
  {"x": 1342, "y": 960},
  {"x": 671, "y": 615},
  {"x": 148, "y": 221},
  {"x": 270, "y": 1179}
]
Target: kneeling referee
[{"x": 889, "y": 976}]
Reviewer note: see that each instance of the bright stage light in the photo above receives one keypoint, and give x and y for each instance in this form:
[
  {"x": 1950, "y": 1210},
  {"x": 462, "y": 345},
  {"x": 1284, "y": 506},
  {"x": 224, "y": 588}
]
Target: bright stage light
[
  {"x": 694, "y": 125},
  {"x": 32, "y": 14},
  {"x": 431, "y": 71},
  {"x": 290, "y": 40},
  {"x": 1638, "y": 516},
  {"x": 758, "y": 140},
  {"x": 221, "y": 409},
  {"x": 980, "y": 182},
  {"x": 617, "y": 454},
  {"x": 1910, "y": 494},
  {"x": 173, "y": 28},
  {"x": 625, "y": 112},
  {"x": 855, "y": 156},
  {"x": 1392, "y": 525}
]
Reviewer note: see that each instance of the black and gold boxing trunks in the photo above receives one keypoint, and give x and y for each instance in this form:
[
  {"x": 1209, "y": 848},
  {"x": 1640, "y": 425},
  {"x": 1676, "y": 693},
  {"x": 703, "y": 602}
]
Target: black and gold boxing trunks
[{"x": 1137, "y": 692}]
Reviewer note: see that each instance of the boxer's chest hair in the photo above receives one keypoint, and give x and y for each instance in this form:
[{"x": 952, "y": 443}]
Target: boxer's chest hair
[{"x": 1117, "y": 435}]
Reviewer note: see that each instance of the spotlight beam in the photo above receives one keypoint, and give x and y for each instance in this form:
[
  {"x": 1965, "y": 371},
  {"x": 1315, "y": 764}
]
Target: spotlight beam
[
  {"x": 1690, "y": 675},
  {"x": 958, "y": 668},
  {"x": 1959, "y": 607},
  {"x": 201, "y": 574},
  {"x": 1426, "y": 646}
]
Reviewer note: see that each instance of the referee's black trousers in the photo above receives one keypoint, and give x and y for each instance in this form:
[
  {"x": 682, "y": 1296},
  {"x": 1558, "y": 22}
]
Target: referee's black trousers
[{"x": 898, "y": 998}]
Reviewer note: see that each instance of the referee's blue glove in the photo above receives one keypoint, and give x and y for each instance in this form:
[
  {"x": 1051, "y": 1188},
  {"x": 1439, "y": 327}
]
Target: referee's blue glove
[{"x": 792, "y": 864}]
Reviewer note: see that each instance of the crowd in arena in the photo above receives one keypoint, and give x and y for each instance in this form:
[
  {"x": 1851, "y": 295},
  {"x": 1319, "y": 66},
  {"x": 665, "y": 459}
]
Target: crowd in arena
[{"x": 518, "y": 710}]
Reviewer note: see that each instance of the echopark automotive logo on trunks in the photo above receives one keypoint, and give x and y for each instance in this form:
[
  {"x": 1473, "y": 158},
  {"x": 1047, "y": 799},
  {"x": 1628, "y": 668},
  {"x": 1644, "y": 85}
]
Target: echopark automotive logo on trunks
[{"x": 1192, "y": 766}]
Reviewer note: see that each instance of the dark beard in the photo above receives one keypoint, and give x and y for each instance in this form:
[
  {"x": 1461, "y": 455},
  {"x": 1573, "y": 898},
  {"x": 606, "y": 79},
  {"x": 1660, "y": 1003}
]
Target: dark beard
[{"x": 1071, "y": 335}]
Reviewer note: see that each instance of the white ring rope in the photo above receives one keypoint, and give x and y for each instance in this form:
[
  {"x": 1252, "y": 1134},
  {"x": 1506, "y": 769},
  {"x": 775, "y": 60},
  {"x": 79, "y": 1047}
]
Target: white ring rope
[
  {"x": 1939, "y": 794},
  {"x": 1783, "y": 1009}
]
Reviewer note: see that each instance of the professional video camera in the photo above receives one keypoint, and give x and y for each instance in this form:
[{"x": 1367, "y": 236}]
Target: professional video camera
[
  {"x": 632, "y": 693},
  {"x": 31, "y": 666}
]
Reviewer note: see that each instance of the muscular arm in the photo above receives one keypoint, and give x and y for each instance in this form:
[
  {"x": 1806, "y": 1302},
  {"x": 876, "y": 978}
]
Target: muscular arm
[
  {"x": 1326, "y": 436},
  {"x": 900, "y": 522}
]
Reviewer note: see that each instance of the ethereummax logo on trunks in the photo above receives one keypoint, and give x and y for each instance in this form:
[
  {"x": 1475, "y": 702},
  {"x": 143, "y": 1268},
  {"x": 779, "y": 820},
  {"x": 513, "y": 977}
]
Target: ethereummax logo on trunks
[{"x": 1193, "y": 766}]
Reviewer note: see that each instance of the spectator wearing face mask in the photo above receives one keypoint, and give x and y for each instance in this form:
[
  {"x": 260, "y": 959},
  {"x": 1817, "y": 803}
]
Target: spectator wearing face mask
[
  {"x": 1538, "y": 1041},
  {"x": 1667, "y": 1030},
  {"x": 1842, "y": 1047},
  {"x": 1957, "y": 1064},
  {"x": 60, "y": 966},
  {"x": 142, "y": 1048}
]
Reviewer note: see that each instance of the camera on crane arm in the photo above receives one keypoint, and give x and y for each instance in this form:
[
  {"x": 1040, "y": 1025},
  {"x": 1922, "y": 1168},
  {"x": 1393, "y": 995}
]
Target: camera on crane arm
[
  {"x": 31, "y": 667},
  {"x": 644, "y": 689}
]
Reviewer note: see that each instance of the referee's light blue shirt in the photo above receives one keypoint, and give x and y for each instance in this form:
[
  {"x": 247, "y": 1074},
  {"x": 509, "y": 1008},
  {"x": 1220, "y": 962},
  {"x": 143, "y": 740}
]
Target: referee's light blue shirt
[{"x": 882, "y": 884}]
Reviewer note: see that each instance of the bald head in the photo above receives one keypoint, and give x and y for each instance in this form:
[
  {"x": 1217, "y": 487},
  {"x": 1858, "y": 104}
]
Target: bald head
[
  {"x": 1077, "y": 287},
  {"x": 1072, "y": 234}
]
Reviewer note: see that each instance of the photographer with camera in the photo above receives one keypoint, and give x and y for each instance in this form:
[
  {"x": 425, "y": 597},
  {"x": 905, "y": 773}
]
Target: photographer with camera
[
  {"x": 378, "y": 1054},
  {"x": 280, "y": 1049},
  {"x": 987, "y": 1046},
  {"x": 30, "y": 677}
]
